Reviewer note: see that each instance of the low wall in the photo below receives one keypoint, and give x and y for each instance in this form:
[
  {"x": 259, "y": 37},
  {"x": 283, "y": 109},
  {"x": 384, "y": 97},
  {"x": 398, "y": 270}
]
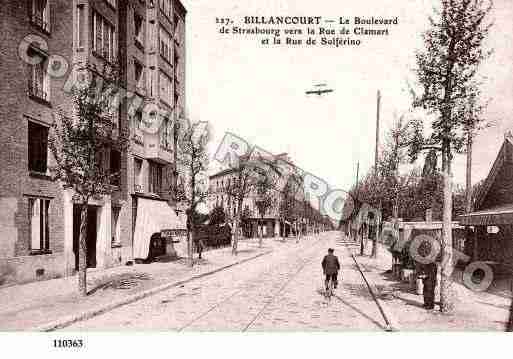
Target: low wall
[{"x": 31, "y": 268}]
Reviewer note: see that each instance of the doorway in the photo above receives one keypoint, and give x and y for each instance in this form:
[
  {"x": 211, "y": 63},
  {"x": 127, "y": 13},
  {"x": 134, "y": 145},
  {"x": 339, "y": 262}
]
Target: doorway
[{"x": 91, "y": 234}]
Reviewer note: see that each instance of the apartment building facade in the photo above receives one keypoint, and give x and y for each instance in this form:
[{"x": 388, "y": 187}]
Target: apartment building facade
[
  {"x": 290, "y": 213},
  {"x": 44, "y": 41}
]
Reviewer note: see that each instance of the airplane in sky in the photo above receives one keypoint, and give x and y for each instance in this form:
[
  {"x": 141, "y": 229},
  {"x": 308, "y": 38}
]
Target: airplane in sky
[{"x": 321, "y": 90}]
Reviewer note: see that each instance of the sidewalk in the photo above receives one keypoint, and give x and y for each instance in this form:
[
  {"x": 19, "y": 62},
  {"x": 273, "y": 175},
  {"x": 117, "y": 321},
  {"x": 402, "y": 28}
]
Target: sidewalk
[
  {"x": 474, "y": 311},
  {"x": 33, "y": 305}
]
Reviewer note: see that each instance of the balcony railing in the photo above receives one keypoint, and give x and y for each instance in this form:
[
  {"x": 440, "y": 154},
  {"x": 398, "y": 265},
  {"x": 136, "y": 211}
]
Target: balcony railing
[
  {"x": 37, "y": 92},
  {"x": 38, "y": 20}
]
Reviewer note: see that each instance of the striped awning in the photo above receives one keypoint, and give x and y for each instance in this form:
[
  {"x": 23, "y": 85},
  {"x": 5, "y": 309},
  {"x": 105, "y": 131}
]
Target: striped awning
[{"x": 496, "y": 216}]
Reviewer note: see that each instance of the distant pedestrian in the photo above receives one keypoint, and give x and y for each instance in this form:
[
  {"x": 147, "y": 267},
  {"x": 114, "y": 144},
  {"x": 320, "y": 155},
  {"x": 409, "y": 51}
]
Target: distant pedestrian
[
  {"x": 200, "y": 246},
  {"x": 330, "y": 267}
]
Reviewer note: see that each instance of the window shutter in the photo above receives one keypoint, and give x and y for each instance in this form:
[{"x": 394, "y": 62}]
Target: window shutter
[
  {"x": 98, "y": 27},
  {"x": 47, "y": 225},
  {"x": 43, "y": 152},
  {"x": 35, "y": 225}
]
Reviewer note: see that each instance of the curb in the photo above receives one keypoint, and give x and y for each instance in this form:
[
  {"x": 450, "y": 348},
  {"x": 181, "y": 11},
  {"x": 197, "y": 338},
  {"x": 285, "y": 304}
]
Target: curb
[{"x": 67, "y": 321}]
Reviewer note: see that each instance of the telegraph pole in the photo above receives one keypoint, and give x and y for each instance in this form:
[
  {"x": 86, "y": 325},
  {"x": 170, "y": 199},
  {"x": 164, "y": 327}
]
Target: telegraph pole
[
  {"x": 357, "y": 177},
  {"x": 377, "y": 218},
  {"x": 376, "y": 155}
]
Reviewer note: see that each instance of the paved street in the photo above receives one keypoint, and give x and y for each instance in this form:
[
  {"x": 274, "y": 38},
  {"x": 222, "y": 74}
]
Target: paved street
[{"x": 281, "y": 291}]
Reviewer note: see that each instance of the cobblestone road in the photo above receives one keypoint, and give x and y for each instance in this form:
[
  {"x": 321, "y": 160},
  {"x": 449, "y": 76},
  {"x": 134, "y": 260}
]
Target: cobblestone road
[{"x": 279, "y": 292}]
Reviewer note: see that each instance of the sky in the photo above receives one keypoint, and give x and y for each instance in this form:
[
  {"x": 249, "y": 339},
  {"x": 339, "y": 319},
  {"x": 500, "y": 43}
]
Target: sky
[{"x": 258, "y": 92}]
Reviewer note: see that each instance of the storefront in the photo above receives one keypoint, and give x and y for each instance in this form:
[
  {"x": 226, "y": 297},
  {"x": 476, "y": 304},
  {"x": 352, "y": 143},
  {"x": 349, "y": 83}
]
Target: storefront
[
  {"x": 152, "y": 217},
  {"x": 490, "y": 226}
]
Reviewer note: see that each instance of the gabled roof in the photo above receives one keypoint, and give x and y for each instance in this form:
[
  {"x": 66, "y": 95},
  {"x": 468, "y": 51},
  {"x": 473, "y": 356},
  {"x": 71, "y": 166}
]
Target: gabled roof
[{"x": 497, "y": 165}]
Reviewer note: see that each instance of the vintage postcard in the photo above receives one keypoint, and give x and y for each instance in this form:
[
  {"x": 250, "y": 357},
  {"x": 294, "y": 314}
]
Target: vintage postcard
[{"x": 255, "y": 167}]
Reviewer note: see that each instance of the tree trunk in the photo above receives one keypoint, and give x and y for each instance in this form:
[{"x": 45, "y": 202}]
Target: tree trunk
[
  {"x": 82, "y": 252},
  {"x": 362, "y": 244},
  {"x": 235, "y": 231},
  {"x": 447, "y": 295},
  {"x": 261, "y": 236},
  {"x": 374, "y": 253},
  {"x": 468, "y": 199},
  {"x": 190, "y": 247}
]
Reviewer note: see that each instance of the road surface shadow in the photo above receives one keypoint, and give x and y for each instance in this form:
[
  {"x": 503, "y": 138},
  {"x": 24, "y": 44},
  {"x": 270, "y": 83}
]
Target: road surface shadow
[
  {"x": 122, "y": 281},
  {"x": 354, "y": 308}
]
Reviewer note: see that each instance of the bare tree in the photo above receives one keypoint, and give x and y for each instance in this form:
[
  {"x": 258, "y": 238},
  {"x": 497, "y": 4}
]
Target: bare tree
[
  {"x": 446, "y": 72},
  {"x": 250, "y": 172},
  {"x": 288, "y": 204},
  {"x": 82, "y": 142},
  {"x": 266, "y": 191},
  {"x": 193, "y": 160}
]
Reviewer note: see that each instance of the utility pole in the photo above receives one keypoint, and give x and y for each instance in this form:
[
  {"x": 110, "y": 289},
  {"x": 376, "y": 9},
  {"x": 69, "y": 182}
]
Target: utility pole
[
  {"x": 377, "y": 218},
  {"x": 376, "y": 155},
  {"x": 468, "y": 194},
  {"x": 354, "y": 221},
  {"x": 357, "y": 178}
]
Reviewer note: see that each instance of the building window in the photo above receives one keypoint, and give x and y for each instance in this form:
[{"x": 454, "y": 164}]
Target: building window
[
  {"x": 138, "y": 184},
  {"x": 39, "y": 81},
  {"x": 115, "y": 227},
  {"x": 152, "y": 35},
  {"x": 166, "y": 8},
  {"x": 165, "y": 134},
  {"x": 139, "y": 29},
  {"x": 138, "y": 119},
  {"x": 104, "y": 37},
  {"x": 155, "y": 178},
  {"x": 166, "y": 88},
  {"x": 80, "y": 25},
  {"x": 139, "y": 76},
  {"x": 111, "y": 3},
  {"x": 151, "y": 82},
  {"x": 37, "y": 147},
  {"x": 115, "y": 167},
  {"x": 165, "y": 45},
  {"x": 39, "y": 225},
  {"x": 40, "y": 14}
]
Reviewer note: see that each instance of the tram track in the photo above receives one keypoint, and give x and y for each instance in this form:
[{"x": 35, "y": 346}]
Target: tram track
[
  {"x": 303, "y": 262},
  {"x": 389, "y": 326}
]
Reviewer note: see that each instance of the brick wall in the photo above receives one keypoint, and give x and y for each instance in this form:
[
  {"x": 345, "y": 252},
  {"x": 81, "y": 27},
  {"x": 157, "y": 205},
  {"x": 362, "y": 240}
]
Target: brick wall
[{"x": 16, "y": 184}]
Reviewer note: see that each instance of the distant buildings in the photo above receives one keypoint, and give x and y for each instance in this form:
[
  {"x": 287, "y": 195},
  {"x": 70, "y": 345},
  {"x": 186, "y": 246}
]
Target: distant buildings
[
  {"x": 291, "y": 212},
  {"x": 38, "y": 219}
]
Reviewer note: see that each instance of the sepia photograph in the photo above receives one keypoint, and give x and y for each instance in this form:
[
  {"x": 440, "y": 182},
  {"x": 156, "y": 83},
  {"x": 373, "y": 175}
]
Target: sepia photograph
[{"x": 320, "y": 168}]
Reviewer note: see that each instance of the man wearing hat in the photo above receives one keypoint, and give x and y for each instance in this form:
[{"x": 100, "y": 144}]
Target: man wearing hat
[{"x": 331, "y": 266}]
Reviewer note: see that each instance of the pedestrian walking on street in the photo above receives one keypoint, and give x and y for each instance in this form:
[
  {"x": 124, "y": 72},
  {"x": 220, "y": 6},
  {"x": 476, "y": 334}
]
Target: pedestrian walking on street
[
  {"x": 429, "y": 273},
  {"x": 330, "y": 267}
]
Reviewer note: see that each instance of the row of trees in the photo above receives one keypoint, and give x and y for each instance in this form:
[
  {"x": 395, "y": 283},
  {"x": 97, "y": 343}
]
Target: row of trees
[
  {"x": 448, "y": 113},
  {"x": 82, "y": 137},
  {"x": 407, "y": 195}
]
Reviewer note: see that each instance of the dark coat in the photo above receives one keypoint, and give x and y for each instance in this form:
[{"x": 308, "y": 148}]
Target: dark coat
[{"x": 330, "y": 264}]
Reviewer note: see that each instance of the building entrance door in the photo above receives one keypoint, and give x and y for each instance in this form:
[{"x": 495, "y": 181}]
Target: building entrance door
[{"x": 91, "y": 235}]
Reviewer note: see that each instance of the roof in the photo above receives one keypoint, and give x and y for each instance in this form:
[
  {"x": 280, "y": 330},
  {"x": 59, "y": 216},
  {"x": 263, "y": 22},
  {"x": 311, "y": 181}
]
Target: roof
[
  {"x": 499, "y": 215},
  {"x": 427, "y": 225},
  {"x": 497, "y": 165}
]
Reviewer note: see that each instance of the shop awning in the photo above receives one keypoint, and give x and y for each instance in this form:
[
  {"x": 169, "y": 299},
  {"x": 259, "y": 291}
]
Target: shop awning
[
  {"x": 153, "y": 216},
  {"x": 501, "y": 215}
]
